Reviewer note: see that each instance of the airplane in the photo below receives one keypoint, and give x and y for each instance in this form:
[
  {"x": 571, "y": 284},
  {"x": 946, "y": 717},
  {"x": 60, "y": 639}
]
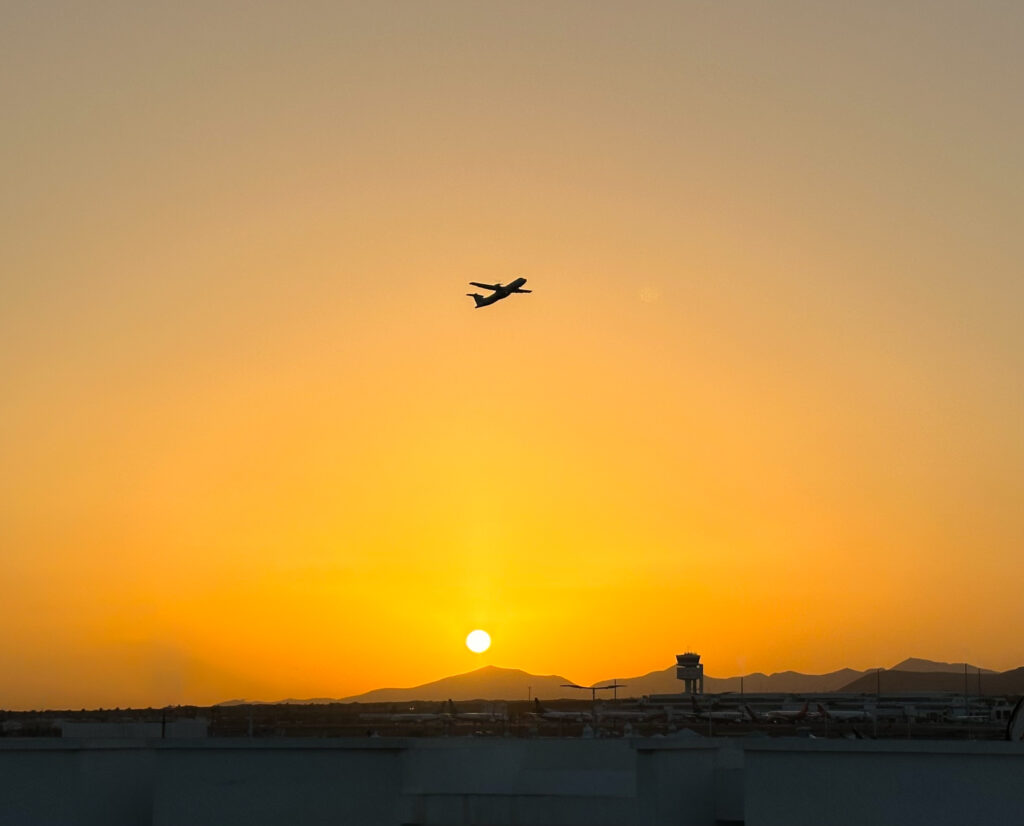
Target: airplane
[
  {"x": 499, "y": 291},
  {"x": 1015, "y": 725},
  {"x": 481, "y": 716},
  {"x": 722, "y": 716},
  {"x": 780, "y": 714},
  {"x": 954, "y": 716},
  {"x": 410, "y": 716},
  {"x": 405, "y": 717},
  {"x": 627, "y": 714},
  {"x": 726, "y": 716},
  {"x": 476, "y": 716},
  {"x": 542, "y": 713},
  {"x": 674, "y": 714},
  {"x": 845, "y": 715}
]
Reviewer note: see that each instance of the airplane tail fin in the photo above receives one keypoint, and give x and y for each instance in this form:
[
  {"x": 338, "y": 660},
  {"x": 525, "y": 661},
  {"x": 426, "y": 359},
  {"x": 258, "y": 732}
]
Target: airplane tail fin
[
  {"x": 479, "y": 299},
  {"x": 1015, "y": 725}
]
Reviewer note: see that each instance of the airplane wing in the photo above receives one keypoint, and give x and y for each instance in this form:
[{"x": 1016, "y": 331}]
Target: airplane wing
[{"x": 485, "y": 286}]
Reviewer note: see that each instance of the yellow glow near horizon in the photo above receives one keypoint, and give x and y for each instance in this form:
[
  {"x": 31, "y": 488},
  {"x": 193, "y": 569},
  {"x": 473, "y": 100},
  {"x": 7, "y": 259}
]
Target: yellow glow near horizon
[{"x": 478, "y": 641}]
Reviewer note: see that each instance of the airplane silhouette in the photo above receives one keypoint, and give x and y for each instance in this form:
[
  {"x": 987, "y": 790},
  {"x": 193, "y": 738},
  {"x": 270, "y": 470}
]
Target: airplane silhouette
[
  {"x": 548, "y": 714},
  {"x": 780, "y": 715},
  {"x": 499, "y": 293}
]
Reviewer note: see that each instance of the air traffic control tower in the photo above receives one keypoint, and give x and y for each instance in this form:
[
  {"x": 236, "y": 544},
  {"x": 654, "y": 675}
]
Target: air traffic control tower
[{"x": 691, "y": 672}]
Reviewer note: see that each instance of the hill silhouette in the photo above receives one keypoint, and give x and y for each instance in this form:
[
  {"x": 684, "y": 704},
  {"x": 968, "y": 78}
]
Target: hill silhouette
[
  {"x": 494, "y": 683},
  {"x": 916, "y": 664},
  {"x": 784, "y": 682},
  {"x": 900, "y": 681},
  {"x": 487, "y": 683}
]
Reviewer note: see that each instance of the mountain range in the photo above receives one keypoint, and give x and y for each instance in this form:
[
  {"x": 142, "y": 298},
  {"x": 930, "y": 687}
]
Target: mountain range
[{"x": 494, "y": 683}]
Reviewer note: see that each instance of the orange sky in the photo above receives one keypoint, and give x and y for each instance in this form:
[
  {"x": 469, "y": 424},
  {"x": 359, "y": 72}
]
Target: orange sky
[{"x": 764, "y": 402}]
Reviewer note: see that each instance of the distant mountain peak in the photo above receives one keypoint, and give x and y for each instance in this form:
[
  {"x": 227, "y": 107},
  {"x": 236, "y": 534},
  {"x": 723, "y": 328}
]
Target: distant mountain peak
[
  {"x": 922, "y": 665},
  {"x": 489, "y": 682}
]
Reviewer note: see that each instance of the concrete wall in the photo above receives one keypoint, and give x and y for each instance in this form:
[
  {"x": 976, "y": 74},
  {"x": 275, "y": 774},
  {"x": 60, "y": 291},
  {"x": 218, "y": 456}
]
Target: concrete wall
[
  {"x": 648, "y": 782},
  {"x": 893, "y": 782},
  {"x": 296, "y": 785},
  {"x": 570, "y": 782}
]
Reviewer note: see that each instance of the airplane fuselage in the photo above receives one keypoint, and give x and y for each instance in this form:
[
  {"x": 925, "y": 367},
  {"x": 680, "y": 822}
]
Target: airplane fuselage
[{"x": 498, "y": 291}]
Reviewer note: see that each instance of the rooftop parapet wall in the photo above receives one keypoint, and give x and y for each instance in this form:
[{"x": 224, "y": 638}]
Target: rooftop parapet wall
[{"x": 650, "y": 781}]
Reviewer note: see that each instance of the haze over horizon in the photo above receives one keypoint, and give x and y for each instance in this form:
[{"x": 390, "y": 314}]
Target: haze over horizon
[{"x": 764, "y": 401}]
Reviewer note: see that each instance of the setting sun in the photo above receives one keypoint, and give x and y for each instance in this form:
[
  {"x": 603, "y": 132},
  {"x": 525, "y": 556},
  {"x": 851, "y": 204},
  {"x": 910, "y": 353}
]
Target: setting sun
[{"x": 478, "y": 641}]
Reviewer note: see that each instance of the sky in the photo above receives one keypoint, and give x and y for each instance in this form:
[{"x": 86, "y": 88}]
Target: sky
[{"x": 764, "y": 402}]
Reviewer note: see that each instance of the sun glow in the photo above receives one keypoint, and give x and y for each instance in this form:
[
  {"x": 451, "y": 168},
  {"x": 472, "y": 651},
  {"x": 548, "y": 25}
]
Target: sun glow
[{"x": 478, "y": 641}]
